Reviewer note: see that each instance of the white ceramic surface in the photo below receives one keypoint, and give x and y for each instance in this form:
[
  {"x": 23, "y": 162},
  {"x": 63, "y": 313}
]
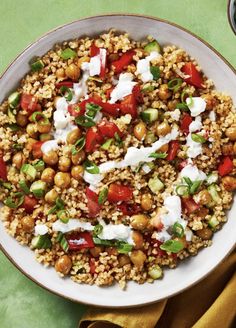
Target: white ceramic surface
[{"x": 191, "y": 270}]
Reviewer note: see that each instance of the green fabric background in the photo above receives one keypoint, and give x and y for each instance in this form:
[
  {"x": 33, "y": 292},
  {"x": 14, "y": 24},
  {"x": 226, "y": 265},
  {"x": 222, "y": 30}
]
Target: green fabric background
[{"x": 22, "y": 303}]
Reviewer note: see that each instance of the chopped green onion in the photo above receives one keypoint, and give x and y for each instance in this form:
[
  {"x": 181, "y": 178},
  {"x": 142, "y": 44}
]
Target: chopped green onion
[
  {"x": 158, "y": 155},
  {"x": 63, "y": 216},
  {"x": 63, "y": 242},
  {"x": 92, "y": 109},
  {"x": 39, "y": 165},
  {"x": 15, "y": 200},
  {"x": 66, "y": 92},
  {"x": 84, "y": 121},
  {"x": 13, "y": 99},
  {"x": 14, "y": 127},
  {"x": 68, "y": 53},
  {"x": 175, "y": 84},
  {"x": 172, "y": 246},
  {"x": 78, "y": 146},
  {"x": 118, "y": 139},
  {"x": 107, "y": 144},
  {"x": 195, "y": 186},
  {"x": 182, "y": 106},
  {"x": 148, "y": 88},
  {"x": 213, "y": 222},
  {"x": 124, "y": 248},
  {"x": 40, "y": 118},
  {"x": 96, "y": 79},
  {"x": 45, "y": 137},
  {"x": 59, "y": 205},
  {"x": 91, "y": 167},
  {"x": 188, "y": 181},
  {"x": 155, "y": 185},
  {"x": 150, "y": 137},
  {"x": 37, "y": 65},
  {"x": 155, "y": 272},
  {"x": 24, "y": 187},
  {"x": 213, "y": 192},
  {"x": 97, "y": 229},
  {"x": 11, "y": 114},
  {"x": 102, "y": 197},
  {"x": 198, "y": 138},
  {"x": 178, "y": 230},
  {"x": 212, "y": 178},
  {"x": 182, "y": 190},
  {"x": 29, "y": 170},
  {"x": 17, "y": 146},
  {"x": 185, "y": 95},
  {"x": 38, "y": 188},
  {"x": 6, "y": 185},
  {"x": 102, "y": 242},
  {"x": 155, "y": 71},
  {"x": 41, "y": 242}
]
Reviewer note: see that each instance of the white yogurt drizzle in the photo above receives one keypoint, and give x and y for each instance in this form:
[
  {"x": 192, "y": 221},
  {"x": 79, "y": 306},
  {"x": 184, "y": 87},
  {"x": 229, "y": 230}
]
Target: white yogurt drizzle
[
  {"x": 143, "y": 66},
  {"x": 123, "y": 88}
]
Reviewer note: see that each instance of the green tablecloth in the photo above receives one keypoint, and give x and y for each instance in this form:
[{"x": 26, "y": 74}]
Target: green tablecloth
[{"x": 22, "y": 303}]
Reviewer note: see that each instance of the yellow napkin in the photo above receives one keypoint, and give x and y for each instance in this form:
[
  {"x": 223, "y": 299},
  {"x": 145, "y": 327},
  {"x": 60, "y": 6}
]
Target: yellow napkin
[{"x": 209, "y": 304}]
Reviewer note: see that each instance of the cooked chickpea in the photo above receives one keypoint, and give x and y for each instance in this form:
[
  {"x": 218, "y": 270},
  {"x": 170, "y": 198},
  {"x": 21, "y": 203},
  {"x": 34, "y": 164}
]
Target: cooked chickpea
[
  {"x": 123, "y": 260},
  {"x": 48, "y": 175},
  {"x": 164, "y": 92},
  {"x": 203, "y": 197},
  {"x": 60, "y": 73},
  {"x": 172, "y": 104},
  {"x": 64, "y": 163},
  {"x": 210, "y": 100},
  {"x": 78, "y": 158},
  {"x": 163, "y": 149},
  {"x": 146, "y": 202},
  {"x": 21, "y": 119},
  {"x": 62, "y": 180},
  {"x": 234, "y": 148},
  {"x": 182, "y": 240},
  {"x": 82, "y": 60},
  {"x": 96, "y": 251},
  {"x": 51, "y": 196},
  {"x": 77, "y": 172},
  {"x": 231, "y": 132},
  {"x": 138, "y": 239},
  {"x": 72, "y": 72},
  {"x": 111, "y": 251},
  {"x": 27, "y": 223},
  {"x": 56, "y": 100},
  {"x": 163, "y": 129},
  {"x": 44, "y": 128},
  {"x": 73, "y": 136},
  {"x": 138, "y": 258},
  {"x": 63, "y": 264},
  {"x": 32, "y": 130},
  {"x": 204, "y": 233},
  {"x": 29, "y": 144},
  {"x": 228, "y": 149},
  {"x": 50, "y": 158},
  {"x": 140, "y": 130},
  {"x": 139, "y": 221},
  {"x": 229, "y": 183},
  {"x": 18, "y": 159},
  {"x": 45, "y": 137}
]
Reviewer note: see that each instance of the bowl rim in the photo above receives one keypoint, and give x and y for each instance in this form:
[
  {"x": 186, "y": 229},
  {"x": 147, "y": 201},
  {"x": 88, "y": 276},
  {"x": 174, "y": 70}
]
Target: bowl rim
[
  {"x": 229, "y": 16},
  {"x": 71, "y": 23}
]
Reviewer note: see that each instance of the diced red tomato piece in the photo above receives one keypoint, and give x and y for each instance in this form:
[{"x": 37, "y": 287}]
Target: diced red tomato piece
[
  {"x": 185, "y": 122},
  {"x": 3, "y": 169},
  {"x": 108, "y": 92},
  {"x": 92, "y": 265},
  {"x": 226, "y": 166},
  {"x": 92, "y": 204},
  {"x": 129, "y": 209},
  {"x": 173, "y": 149},
  {"x": 75, "y": 110},
  {"x": 182, "y": 165},
  {"x": 29, "y": 103},
  {"x": 93, "y": 139},
  {"x": 68, "y": 84},
  {"x": 195, "y": 77},
  {"x": 80, "y": 240},
  {"x": 119, "y": 193},
  {"x": 138, "y": 94},
  {"x": 108, "y": 129},
  {"x": 29, "y": 204},
  {"x": 128, "y": 106},
  {"x": 111, "y": 109},
  {"x": 123, "y": 61},
  {"x": 36, "y": 149},
  {"x": 189, "y": 204},
  {"x": 94, "y": 50}
]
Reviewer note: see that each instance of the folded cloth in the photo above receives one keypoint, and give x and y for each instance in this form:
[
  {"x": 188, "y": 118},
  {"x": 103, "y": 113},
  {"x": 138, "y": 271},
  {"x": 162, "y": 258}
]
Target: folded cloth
[{"x": 209, "y": 304}]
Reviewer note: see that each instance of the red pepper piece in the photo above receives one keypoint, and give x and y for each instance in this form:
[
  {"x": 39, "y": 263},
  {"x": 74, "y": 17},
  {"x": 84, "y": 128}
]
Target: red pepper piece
[
  {"x": 29, "y": 204},
  {"x": 123, "y": 61},
  {"x": 93, "y": 139},
  {"x": 75, "y": 110},
  {"x": 138, "y": 94},
  {"x": 92, "y": 204},
  {"x": 173, "y": 149},
  {"x": 80, "y": 240},
  {"x": 29, "y": 103},
  {"x": 36, "y": 149},
  {"x": 226, "y": 166},
  {"x": 94, "y": 50},
  {"x": 189, "y": 204},
  {"x": 3, "y": 169},
  {"x": 108, "y": 129},
  {"x": 195, "y": 77},
  {"x": 129, "y": 209},
  {"x": 119, "y": 193},
  {"x": 68, "y": 84},
  {"x": 128, "y": 106},
  {"x": 185, "y": 122},
  {"x": 92, "y": 265}
]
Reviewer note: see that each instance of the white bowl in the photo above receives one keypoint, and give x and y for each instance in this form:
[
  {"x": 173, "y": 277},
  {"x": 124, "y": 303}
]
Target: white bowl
[{"x": 191, "y": 270}]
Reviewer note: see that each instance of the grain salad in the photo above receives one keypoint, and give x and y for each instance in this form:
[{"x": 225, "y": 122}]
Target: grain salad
[{"x": 117, "y": 159}]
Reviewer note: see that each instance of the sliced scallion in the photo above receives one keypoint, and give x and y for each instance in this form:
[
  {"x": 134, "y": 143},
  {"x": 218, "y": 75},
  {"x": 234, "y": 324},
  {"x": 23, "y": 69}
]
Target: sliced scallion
[
  {"x": 78, "y": 146},
  {"x": 66, "y": 92},
  {"x": 91, "y": 167},
  {"x": 15, "y": 200},
  {"x": 182, "y": 190},
  {"x": 59, "y": 205},
  {"x": 102, "y": 197},
  {"x": 13, "y": 99},
  {"x": 172, "y": 246},
  {"x": 118, "y": 140},
  {"x": 198, "y": 138},
  {"x": 84, "y": 121},
  {"x": 63, "y": 216},
  {"x": 158, "y": 155},
  {"x": 195, "y": 186},
  {"x": 182, "y": 107},
  {"x": 178, "y": 230},
  {"x": 40, "y": 118},
  {"x": 39, "y": 165},
  {"x": 6, "y": 185},
  {"x": 63, "y": 242},
  {"x": 38, "y": 188},
  {"x": 149, "y": 88},
  {"x": 155, "y": 71},
  {"x": 97, "y": 229},
  {"x": 124, "y": 248},
  {"x": 107, "y": 144},
  {"x": 174, "y": 84},
  {"x": 24, "y": 187},
  {"x": 17, "y": 146},
  {"x": 37, "y": 65},
  {"x": 92, "y": 109},
  {"x": 14, "y": 127},
  {"x": 29, "y": 170},
  {"x": 155, "y": 272},
  {"x": 41, "y": 242},
  {"x": 68, "y": 53}
]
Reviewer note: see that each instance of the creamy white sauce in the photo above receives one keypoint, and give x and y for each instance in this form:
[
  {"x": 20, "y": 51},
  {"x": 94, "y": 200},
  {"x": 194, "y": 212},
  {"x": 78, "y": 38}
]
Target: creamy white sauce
[
  {"x": 143, "y": 66},
  {"x": 92, "y": 179},
  {"x": 212, "y": 116},
  {"x": 175, "y": 115},
  {"x": 98, "y": 117},
  {"x": 194, "y": 148},
  {"x": 193, "y": 173},
  {"x": 123, "y": 88},
  {"x": 197, "y": 105},
  {"x": 72, "y": 224},
  {"x": 40, "y": 229},
  {"x": 188, "y": 235},
  {"x": 95, "y": 65},
  {"x": 116, "y": 231},
  {"x": 196, "y": 125}
]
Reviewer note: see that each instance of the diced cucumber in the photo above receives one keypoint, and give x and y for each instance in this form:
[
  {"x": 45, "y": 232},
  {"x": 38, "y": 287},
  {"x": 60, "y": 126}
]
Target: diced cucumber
[
  {"x": 155, "y": 272},
  {"x": 38, "y": 188},
  {"x": 153, "y": 46},
  {"x": 182, "y": 190},
  {"x": 213, "y": 192},
  {"x": 155, "y": 185},
  {"x": 11, "y": 115},
  {"x": 14, "y": 99},
  {"x": 39, "y": 165},
  {"x": 155, "y": 71},
  {"x": 29, "y": 170},
  {"x": 37, "y": 65},
  {"x": 41, "y": 242},
  {"x": 150, "y": 137},
  {"x": 212, "y": 178},
  {"x": 24, "y": 187},
  {"x": 213, "y": 222},
  {"x": 149, "y": 115}
]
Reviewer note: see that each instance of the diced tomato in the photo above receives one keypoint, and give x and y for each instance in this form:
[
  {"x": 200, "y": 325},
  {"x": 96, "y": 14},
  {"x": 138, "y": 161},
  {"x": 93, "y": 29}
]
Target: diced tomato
[
  {"x": 108, "y": 92},
  {"x": 92, "y": 265},
  {"x": 68, "y": 84},
  {"x": 36, "y": 149},
  {"x": 185, "y": 122},
  {"x": 94, "y": 50},
  {"x": 129, "y": 209},
  {"x": 119, "y": 193},
  {"x": 75, "y": 110},
  {"x": 128, "y": 106},
  {"x": 80, "y": 240},
  {"x": 138, "y": 94},
  {"x": 29, "y": 103},
  {"x": 226, "y": 166},
  {"x": 195, "y": 77},
  {"x": 92, "y": 204},
  {"x": 108, "y": 129},
  {"x": 29, "y": 204},
  {"x": 173, "y": 149},
  {"x": 3, "y": 169},
  {"x": 123, "y": 61},
  {"x": 182, "y": 165},
  {"x": 93, "y": 139},
  {"x": 111, "y": 109},
  {"x": 189, "y": 204}
]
